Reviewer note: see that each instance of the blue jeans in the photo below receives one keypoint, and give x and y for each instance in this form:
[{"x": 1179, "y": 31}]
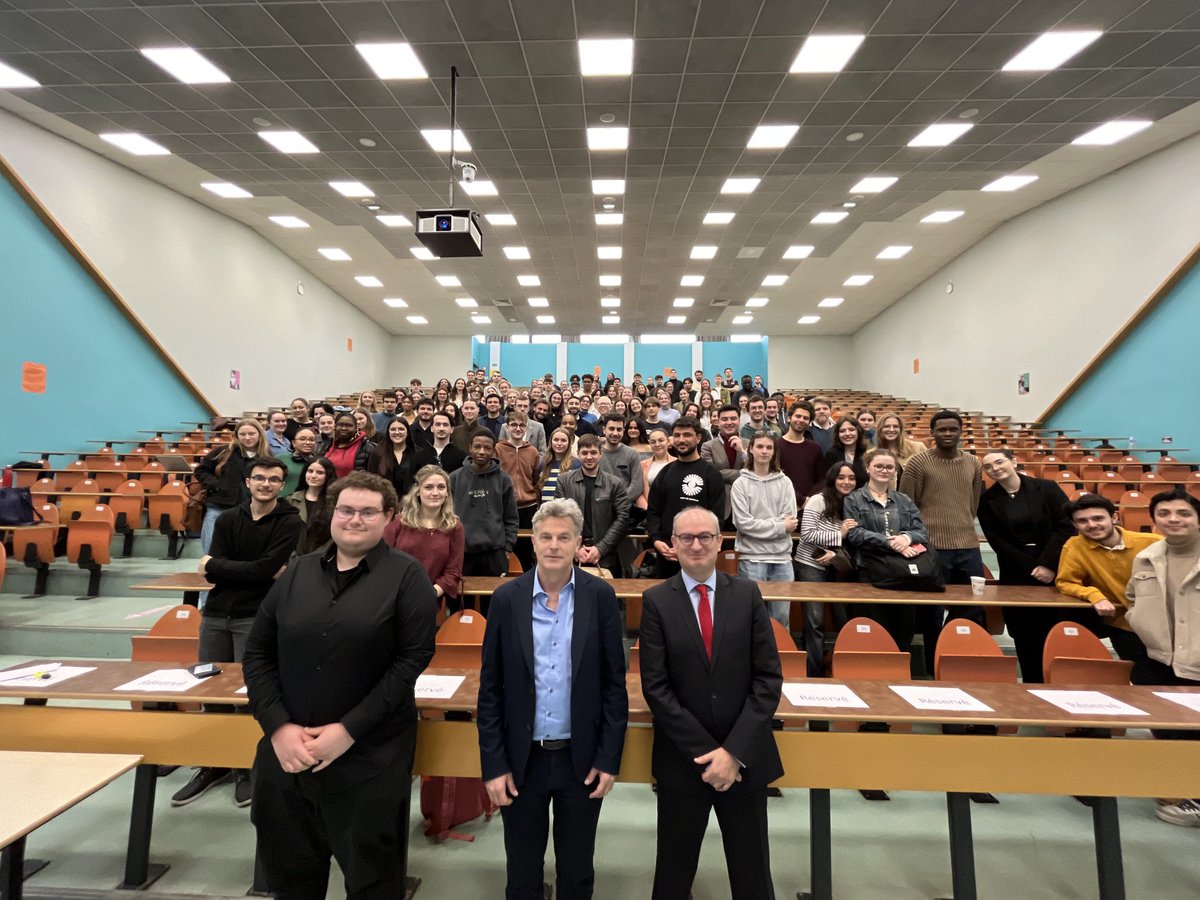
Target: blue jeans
[{"x": 764, "y": 571}]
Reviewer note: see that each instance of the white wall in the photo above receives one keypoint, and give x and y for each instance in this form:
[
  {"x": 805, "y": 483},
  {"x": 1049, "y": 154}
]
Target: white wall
[
  {"x": 1041, "y": 294},
  {"x": 214, "y": 293},
  {"x": 811, "y": 362},
  {"x": 427, "y": 358}
]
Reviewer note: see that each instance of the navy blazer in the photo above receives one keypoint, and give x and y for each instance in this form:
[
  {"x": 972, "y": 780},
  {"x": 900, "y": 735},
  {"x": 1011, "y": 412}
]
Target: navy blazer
[
  {"x": 699, "y": 704},
  {"x": 599, "y": 702}
]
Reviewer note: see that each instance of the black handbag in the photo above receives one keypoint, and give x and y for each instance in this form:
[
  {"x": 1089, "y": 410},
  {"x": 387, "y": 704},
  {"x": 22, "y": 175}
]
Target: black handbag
[
  {"x": 889, "y": 571},
  {"x": 16, "y": 507}
]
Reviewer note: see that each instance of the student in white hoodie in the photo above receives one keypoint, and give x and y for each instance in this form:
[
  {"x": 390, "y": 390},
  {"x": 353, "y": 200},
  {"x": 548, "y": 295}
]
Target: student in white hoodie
[{"x": 764, "y": 514}]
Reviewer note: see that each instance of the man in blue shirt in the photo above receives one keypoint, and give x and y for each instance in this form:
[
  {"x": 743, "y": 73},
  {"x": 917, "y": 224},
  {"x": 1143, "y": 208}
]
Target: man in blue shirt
[{"x": 552, "y": 708}]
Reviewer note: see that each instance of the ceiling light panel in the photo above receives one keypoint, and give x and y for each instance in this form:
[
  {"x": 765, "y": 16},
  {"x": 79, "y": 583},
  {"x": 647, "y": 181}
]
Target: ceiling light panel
[
  {"x": 292, "y": 142},
  {"x": 829, "y": 218},
  {"x": 808, "y": 320},
  {"x": 676, "y": 320},
  {"x": 466, "y": 302},
  {"x": 479, "y": 188},
  {"x": 826, "y": 52},
  {"x": 226, "y": 190},
  {"x": 830, "y": 302},
  {"x": 480, "y": 319},
  {"x": 742, "y": 320},
  {"x": 771, "y": 137},
  {"x": 392, "y": 62},
  {"x": 14, "y": 78},
  {"x": 683, "y": 302},
  {"x": 894, "y": 251},
  {"x": 352, "y": 189},
  {"x": 610, "y": 320},
  {"x": 798, "y": 251},
  {"x": 610, "y": 281},
  {"x": 608, "y": 138},
  {"x": 667, "y": 338},
  {"x": 774, "y": 280},
  {"x": 739, "y": 185},
  {"x": 718, "y": 218},
  {"x": 758, "y": 302},
  {"x": 288, "y": 221},
  {"x": 516, "y": 252},
  {"x": 422, "y": 253},
  {"x": 538, "y": 302},
  {"x": 1010, "y": 183},
  {"x": 185, "y": 64},
  {"x": 417, "y": 320},
  {"x": 940, "y": 134},
  {"x": 691, "y": 281},
  {"x": 448, "y": 281},
  {"x": 368, "y": 281},
  {"x": 545, "y": 320},
  {"x": 1112, "y": 132},
  {"x": 874, "y": 184},
  {"x": 610, "y": 218},
  {"x": 610, "y": 302},
  {"x": 608, "y": 252},
  {"x": 858, "y": 280},
  {"x": 137, "y": 144},
  {"x": 395, "y": 302},
  {"x": 605, "y": 57},
  {"x": 500, "y": 220},
  {"x": 1050, "y": 50},
  {"x": 941, "y": 216},
  {"x": 392, "y": 220},
  {"x": 439, "y": 140},
  {"x": 336, "y": 254},
  {"x": 529, "y": 281},
  {"x": 608, "y": 186},
  {"x": 704, "y": 251}
]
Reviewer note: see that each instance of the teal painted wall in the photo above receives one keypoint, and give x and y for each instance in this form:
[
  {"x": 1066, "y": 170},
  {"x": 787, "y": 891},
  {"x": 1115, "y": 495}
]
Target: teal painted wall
[
  {"x": 102, "y": 379},
  {"x": 522, "y": 363},
  {"x": 1149, "y": 387},
  {"x": 744, "y": 359},
  {"x": 583, "y": 358},
  {"x": 652, "y": 359}
]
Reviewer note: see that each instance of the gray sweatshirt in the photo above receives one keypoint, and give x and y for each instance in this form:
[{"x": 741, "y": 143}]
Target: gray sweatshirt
[
  {"x": 760, "y": 504},
  {"x": 626, "y": 464}
]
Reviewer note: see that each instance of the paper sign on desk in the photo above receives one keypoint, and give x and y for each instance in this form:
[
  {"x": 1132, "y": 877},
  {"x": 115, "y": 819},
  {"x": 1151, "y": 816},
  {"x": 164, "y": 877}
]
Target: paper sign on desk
[
  {"x": 1191, "y": 701},
  {"x": 41, "y": 676},
  {"x": 940, "y": 698},
  {"x": 1089, "y": 703},
  {"x": 173, "y": 680},
  {"x": 242, "y": 690},
  {"x": 832, "y": 696},
  {"x": 437, "y": 687}
]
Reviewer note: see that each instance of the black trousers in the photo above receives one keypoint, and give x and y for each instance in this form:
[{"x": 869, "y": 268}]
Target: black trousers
[
  {"x": 1154, "y": 672},
  {"x": 1130, "y": 647},
  {"x": 550, "y": 783},
  {"x": 524, "y": 547},
  {"x": 682, "y": 819},
  {"x": 485, "y": 563},
  {"x": 301, "y": 823}
]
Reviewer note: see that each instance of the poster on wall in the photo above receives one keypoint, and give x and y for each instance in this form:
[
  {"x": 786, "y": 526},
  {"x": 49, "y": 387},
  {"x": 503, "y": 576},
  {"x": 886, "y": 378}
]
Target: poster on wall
[
  {"x": 1023, "y": 383},
  {"x": 235, "y": 380}
]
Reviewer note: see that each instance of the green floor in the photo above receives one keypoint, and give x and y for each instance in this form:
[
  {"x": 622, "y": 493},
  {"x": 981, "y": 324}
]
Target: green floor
[{"x": 1026, "y": 847}]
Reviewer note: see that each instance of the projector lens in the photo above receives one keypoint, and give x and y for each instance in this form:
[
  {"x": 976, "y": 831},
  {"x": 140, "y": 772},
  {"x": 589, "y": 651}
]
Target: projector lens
[{"x": 443, "y": 223}]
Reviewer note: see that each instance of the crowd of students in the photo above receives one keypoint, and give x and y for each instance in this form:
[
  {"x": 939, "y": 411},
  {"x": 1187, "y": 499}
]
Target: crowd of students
[{"x": 808, "y": 498}]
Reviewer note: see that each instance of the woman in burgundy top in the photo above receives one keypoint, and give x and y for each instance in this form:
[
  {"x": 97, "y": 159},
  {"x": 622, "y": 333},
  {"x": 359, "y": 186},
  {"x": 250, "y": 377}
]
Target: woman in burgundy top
[{"x": 427, "y": 528}]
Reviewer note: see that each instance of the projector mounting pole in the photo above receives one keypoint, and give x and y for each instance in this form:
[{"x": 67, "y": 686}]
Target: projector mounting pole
[{"x": 453, "y": 111}]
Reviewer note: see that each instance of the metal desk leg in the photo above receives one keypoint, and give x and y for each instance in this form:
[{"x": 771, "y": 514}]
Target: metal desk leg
[
  {"x": 140, "y": 873},
  {"x": 1110, "y": 868},
  {"x": 820, "y": 839},
  {"x": 962, "y": 846},
  {"x": 12, "y": 870}
]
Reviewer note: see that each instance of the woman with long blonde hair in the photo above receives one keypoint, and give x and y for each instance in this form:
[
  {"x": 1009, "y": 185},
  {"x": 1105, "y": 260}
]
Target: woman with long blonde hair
[
  {"x": 224, "y": 470},
  {"x": 427, "y": 529}
]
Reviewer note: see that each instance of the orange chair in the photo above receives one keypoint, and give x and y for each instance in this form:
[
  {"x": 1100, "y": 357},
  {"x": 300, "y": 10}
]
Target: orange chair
[
  {"x": 966, "y": 652},
  {"x": 135, "y": 460},
  {"x": 164, "y": 510},
  {"x": 111, "y": 475},
  {"x": 1131, "y": 469},
  {"x": 74, "y": 474},
  {"x": 463, "y": 627},
  {"x": 73, "y": 507},
  {"x": 88, "y": 540},
  {"x": 153, "y": 475},
  {"x": 514, "y": 565},
  {"x": 34, "y": 546},
  {"x": 1193, "y": 485},
  {"x": 127, "y": 504},
  {"x": 1153, "y": 482},
  {"x": 1111, "y": 485},
  {"x": 3, "y": 564},
  {"x": 1174, "y": 472},
  {"x": 727, "y": 562},
  {"x": 174, "y": 638},
  {"x": 1134, "y": 509},
  {"x": 1073, "y": 652}
]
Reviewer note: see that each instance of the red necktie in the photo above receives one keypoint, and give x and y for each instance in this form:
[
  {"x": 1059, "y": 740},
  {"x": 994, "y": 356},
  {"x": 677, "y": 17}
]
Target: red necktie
[{"x": 705, "y": 618}]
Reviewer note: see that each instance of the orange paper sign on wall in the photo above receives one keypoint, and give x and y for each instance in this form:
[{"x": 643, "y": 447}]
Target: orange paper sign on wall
[
  {"x": 349, "y": 345},
  {"x": 33, "y": 378},
  {"x": 917, "y": 366}
]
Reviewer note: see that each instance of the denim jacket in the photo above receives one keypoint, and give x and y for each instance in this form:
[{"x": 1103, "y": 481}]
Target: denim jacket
[{"x": 877, "y": 523}]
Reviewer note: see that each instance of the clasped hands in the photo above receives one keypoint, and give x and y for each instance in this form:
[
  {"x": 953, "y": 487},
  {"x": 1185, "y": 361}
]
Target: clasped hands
[
  {"x": 502, "y": 789},
  {"x": 299, "y": 748},
  {"x": 902, "y": 544},
  {"x": 721, "y": 770}
]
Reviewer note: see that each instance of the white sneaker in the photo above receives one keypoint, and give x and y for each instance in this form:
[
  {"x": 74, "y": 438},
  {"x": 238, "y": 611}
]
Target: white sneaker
[{"x": 1185, "y": 812}]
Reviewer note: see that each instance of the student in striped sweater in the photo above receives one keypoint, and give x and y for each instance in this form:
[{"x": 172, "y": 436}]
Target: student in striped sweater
[{"x": 946, "y": 483}]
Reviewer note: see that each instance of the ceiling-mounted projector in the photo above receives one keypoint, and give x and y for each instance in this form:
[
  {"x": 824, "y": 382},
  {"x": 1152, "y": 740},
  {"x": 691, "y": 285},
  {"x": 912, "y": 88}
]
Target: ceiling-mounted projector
[{"x": 450, "y": 233}]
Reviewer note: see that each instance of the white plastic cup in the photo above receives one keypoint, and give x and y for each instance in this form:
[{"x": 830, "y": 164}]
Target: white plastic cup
[{"x": 977, "y": 585}]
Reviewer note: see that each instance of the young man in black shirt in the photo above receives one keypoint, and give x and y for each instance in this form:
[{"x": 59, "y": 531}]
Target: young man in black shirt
[
  {"x": 440, "y": 452},
  {"x": 688, "y": 481},
  {"x": 331, "y": 666},
  {"x": 422, "y": 427},
  {"x": 250, "y": 548}
]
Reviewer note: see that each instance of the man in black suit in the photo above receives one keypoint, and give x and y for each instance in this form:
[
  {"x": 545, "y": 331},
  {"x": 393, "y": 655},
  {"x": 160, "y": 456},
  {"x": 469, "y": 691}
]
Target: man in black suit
[
  {"x": 712, "y": 679},
  {"x": 552, "y": 708}
]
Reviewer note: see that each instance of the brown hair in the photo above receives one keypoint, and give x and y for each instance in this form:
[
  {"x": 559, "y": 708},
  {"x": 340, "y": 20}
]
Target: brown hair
[{"x": 365, "y": 481}]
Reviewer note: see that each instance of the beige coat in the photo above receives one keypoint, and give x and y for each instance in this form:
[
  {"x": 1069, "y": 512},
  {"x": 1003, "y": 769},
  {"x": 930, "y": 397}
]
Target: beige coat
[{"x": 1169, "y": 642}]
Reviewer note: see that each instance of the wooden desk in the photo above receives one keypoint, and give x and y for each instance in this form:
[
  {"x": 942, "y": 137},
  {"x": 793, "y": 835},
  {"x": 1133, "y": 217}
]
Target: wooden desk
[
  {"x": 815, "y": 759},
  {"x": 36, "y": 787}
]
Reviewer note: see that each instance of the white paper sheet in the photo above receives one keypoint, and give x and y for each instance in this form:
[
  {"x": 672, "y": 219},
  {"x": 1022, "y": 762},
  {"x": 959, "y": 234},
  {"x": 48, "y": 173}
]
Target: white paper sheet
[
  {"x": 242, "y": 690},
  {"x": 27, "y": 676},
  {"x": 1191, "y": 701},
  {"x": 437, "y": 687},
  {"x": 829, "y": 696},
  {"x": 940, "y": 698},
  {"x": 172, "y": 680},
  {"x": 1088, "y": 703}
]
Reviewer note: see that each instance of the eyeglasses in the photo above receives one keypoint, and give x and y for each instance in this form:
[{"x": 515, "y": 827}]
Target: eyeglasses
[
  {"x": 263, "y": 479},
  {"x": 883, "y": 468},
  {"x": 348, "y": 512},
  {"x": 705, "y": 538}
]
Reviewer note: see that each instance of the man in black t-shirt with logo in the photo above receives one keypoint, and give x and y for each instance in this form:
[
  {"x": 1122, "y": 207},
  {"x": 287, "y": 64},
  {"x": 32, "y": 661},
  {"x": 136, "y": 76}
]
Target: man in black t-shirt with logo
[{"x": 688, "y": 481}]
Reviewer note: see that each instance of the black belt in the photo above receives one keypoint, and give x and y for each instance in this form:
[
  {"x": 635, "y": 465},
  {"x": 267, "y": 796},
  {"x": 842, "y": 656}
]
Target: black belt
[{"x": 553, "y": 745}]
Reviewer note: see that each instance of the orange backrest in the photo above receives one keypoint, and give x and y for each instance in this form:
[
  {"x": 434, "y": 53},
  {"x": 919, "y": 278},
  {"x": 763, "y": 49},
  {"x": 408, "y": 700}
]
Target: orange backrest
[
  {"x": 862, "y": 633},
  {"x": 1132, "y": 499},
  {"x": 130, "y": 499},
  {"x": 112, "y": 477},
  {"x": 1174, "y": 472},
  {"x": 514, "y": 565},
  {"x": 727, "y": 562},
  {"x": 152, "y": 475},
  {"x": 94, "y": 529},
  {"x": 178, "y": 621},
  {"x": 783, "y": 639},
  {"x": 73, "y": 507},
  {"x": 41, "y": 538},
  {"x": 794, "y": 664},
  {"x": 952, "y": 667},
  {"x": 457, "y": 656},
  {"x": 463, "y": 627},
  {"x": 962, "y": 637},
  {"x": 635, "y": 662},
  {"x": 1193, "y": 485},
  {"x": 1071, "y": 639},
  {"x": 879, "y": 665},
  {"x": 175, "y": 637},
  {"x": 1072, "y": 670}
]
